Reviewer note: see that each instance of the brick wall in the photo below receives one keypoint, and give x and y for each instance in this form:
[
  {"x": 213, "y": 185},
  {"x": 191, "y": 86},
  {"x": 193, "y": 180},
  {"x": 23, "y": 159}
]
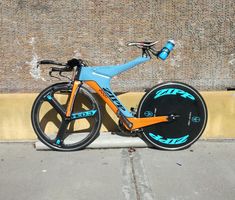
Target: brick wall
[{"x": 98, "y": 30}]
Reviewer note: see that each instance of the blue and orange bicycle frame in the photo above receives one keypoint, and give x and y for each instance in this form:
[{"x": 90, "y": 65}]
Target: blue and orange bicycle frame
[{"x": 98, "y": 78}]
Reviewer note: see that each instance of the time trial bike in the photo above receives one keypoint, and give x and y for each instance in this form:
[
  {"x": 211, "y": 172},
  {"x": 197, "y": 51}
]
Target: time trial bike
[{"x": 66, "y": 116}]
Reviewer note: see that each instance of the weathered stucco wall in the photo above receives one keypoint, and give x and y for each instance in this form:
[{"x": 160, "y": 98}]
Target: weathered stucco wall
[{"x": 97, "y": 30}]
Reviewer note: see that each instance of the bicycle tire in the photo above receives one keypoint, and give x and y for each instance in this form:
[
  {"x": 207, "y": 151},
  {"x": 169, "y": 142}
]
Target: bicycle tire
[
  {"x": 78, "y": 131},
  {"x": 181, "y": 101}
]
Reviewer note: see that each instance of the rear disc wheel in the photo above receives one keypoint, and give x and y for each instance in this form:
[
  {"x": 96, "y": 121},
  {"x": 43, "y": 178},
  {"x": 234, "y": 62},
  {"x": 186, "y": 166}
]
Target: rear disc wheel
[{"x": 187, "y": 114}]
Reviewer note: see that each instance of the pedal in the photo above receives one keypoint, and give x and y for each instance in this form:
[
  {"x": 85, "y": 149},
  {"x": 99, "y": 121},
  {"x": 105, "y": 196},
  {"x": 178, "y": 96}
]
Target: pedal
[
  {"x": 124, "y": 131},
  {"x": 124, "y": 119}
]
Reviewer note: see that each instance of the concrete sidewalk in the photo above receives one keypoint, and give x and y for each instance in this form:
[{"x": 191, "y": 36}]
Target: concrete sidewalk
[
  {"x": 204, "y": 171},
  {"x": 104, "y": 141}
]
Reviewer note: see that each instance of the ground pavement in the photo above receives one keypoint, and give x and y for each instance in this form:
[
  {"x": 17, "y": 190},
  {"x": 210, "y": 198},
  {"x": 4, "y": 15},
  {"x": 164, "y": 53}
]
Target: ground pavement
[{"x": 204, "y": 171}]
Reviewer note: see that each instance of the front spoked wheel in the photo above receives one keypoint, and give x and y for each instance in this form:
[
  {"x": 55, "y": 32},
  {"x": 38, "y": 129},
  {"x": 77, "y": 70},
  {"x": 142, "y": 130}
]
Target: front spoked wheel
[
  {"x": 63, "y": 133},
  {"x": 185, "y": 109}
]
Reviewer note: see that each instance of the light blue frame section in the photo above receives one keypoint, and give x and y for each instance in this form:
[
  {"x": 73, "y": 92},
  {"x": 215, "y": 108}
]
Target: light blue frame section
[{"x": 102, "y": 75}]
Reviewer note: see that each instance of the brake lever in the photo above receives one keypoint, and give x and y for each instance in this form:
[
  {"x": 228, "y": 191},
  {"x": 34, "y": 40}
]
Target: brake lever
[
  {"x": 50, "y": 74},
  {"x": 60, "y": 73}
]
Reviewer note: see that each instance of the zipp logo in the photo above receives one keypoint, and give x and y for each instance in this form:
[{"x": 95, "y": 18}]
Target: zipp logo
[
  {"x": 113, "y": 98},
  {"x": 174, "y": 91},
  {"x": 170, "y": 141}
]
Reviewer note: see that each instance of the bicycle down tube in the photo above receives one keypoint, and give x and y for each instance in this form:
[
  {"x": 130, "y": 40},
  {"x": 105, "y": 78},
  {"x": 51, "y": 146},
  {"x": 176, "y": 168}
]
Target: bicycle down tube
[{"x": 99, "y": 77}]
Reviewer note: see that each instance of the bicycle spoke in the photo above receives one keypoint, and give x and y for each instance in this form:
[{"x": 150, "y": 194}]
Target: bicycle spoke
[
  {"x": 61, "y": 133},
  {"x": 55, "y": 104}
]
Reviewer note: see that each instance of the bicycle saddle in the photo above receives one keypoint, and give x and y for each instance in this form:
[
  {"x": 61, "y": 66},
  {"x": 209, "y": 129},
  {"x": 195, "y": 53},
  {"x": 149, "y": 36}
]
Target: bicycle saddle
[{"x": 142, "y": 44}]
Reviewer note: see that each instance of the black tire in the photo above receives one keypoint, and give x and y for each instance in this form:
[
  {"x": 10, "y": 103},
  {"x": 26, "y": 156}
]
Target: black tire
[
  {"x": 56, "y": 130},
  {"x": 188, "y": 121}
]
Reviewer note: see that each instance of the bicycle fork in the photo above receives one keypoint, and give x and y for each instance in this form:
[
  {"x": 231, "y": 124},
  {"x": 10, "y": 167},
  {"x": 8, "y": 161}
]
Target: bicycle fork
[{"x": 75, "y": 89}]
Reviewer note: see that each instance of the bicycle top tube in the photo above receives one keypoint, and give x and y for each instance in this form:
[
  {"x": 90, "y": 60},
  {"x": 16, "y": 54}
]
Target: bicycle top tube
[{"x": 103, "y": 74}]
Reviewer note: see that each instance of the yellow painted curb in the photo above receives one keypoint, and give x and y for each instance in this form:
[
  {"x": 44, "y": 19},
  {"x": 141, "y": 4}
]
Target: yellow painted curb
[{"x": 15, "y": 109}]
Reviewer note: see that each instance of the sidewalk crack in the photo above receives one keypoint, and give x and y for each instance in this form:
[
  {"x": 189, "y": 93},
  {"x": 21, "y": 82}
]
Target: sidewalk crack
[{"x": 134, "y": 176}]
